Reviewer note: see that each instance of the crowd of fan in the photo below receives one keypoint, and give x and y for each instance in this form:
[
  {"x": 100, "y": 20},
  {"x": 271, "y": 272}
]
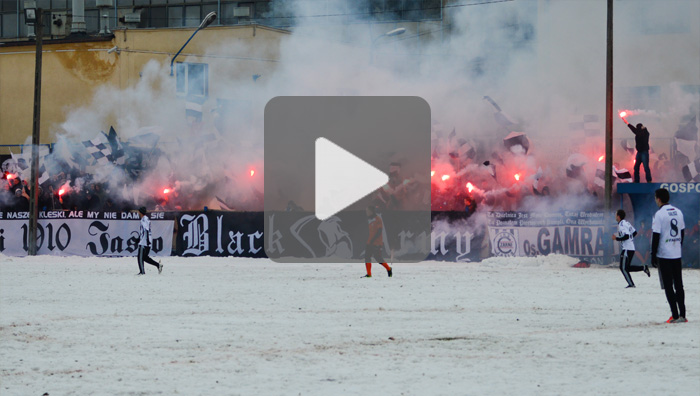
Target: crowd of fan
[
  {"x": 77, "y": 190},
  {"x": 61, "y": 192}
]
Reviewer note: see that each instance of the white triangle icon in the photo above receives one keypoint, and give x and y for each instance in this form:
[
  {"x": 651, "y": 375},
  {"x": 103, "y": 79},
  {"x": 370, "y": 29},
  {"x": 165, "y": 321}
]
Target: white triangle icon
[{"x": 341, "y": 178}]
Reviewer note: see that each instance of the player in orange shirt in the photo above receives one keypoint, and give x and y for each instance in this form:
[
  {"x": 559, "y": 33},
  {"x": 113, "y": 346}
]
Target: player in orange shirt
[{"x": 375, "y": 242}]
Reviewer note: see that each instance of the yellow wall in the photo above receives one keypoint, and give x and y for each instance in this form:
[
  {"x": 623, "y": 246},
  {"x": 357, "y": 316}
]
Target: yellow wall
[{"x": 72, "y": 72}]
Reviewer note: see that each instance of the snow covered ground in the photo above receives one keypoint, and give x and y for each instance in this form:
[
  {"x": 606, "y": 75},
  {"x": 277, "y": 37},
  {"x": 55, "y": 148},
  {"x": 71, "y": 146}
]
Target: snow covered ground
[{"x": 213, "y": 326}]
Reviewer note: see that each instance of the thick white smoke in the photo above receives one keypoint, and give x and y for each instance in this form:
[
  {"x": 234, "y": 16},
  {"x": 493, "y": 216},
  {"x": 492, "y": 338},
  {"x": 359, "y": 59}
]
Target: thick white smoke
[{"x": 541, "y": 63}]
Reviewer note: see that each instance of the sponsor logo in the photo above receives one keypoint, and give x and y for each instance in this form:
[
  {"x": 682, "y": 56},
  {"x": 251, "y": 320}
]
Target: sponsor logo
[{"x": 505, "y": 244}]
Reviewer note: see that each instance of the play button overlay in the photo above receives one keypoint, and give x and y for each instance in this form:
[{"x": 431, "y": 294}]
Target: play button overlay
[
  {"x": 342, "y": 178},
  {"x": 327, "y": 159}
]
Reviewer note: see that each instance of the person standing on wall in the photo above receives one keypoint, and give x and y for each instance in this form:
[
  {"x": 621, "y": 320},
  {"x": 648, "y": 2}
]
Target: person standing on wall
[
  {"x": 641, "y": 140},
  {"x": 668, "y": 230},
  {"x": 145, "y": 243},
  {"x": 625, "y": 235}
]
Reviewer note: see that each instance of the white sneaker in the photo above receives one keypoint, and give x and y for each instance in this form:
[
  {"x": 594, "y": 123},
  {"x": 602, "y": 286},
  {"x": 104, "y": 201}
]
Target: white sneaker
[{"x": 160, "y": 267}]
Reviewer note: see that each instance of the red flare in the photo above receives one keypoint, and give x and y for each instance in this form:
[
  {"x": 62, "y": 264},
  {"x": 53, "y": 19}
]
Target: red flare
[
  {"x": 601, "y": 158},
  {"x": 61, "y": 192},
  {"x": 432, "y": 173},
  {"x": 166, "y": 191},
  {"x": 10, "y": 176},
  {"x": 470, "y": 187},
  {"x": 252, "y": 172},
  {"x": 623, "y": 114},
  {"x": 517, "y": 176},
  {"x": 445, "y": 177}
]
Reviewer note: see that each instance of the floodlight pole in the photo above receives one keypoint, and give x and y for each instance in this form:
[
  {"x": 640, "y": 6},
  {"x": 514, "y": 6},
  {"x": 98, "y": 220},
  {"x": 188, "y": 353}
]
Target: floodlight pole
[
  {"x": 36, "y": 131},
  {"x": 609, "y": 125}
]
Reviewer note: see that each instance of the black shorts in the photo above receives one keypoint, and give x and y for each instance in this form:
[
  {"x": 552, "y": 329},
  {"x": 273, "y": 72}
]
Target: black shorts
[{"x": 373, "y": 251}]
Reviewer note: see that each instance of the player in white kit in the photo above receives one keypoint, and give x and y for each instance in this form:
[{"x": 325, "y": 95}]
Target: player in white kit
[
  {"x": 625, "y": 235},
  {"x": 145, "y": 243},
  {"x": 668, "y": 231}
]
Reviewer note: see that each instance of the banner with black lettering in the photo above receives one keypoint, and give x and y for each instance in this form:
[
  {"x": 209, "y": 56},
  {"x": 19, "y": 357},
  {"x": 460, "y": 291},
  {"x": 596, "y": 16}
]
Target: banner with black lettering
[
  {"x": 574, "y": 233},
  {"x": 83, "y": 233}
]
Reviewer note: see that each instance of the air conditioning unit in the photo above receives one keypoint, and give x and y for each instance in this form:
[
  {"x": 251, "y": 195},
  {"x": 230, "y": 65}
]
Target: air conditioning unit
[
  {"x": 60, "y": 23},
  {"x": 241, "y": 12},
  {"x": 132, "y": 17}
]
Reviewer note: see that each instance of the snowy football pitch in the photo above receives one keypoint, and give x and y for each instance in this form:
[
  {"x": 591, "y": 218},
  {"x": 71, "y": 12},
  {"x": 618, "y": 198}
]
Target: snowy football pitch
[{"x": 213, "y": 326}]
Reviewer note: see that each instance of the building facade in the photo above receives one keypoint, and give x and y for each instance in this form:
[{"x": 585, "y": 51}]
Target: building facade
[
  {"x": 188, "y": 13},
  {"x": 73, "y": 70}
]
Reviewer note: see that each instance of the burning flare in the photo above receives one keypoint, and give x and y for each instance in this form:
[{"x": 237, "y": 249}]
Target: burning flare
[
  {"x": 601, "y": 158},
  {"x": 252, "y": 172},
  {"x": 517, "y": 176},
  {"x": 166, "y": 191},
  {"x": 432, "y": 173},
  {"x": 61, "y": 192},
  {"x": 470, "y": 187},
  {"x": 445, "y": 177},
  {"x": 623, "y": 114}
]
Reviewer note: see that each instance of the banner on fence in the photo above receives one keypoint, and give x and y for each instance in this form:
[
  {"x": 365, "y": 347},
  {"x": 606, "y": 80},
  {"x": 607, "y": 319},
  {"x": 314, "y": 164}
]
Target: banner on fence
[
  {"x": 215, "y": 233},
  {"x": 575, "y": 233},
  {"x": 83, "y": 233}
]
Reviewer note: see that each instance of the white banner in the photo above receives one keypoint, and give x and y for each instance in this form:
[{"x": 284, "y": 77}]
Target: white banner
[
  {"x": 83, "y": 237},
  {"x": 578, "y": 241},
  {"x": 578, "y": 234}
]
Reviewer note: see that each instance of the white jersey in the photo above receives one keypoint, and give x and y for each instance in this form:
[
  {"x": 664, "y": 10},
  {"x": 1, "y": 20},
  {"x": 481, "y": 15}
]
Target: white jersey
[
  {"x": 668, "y": 223},
  {"x": 145, "y": 232},
  {"x": 625, "y": 228}
]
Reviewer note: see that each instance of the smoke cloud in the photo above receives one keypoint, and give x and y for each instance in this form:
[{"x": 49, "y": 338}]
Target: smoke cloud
[{"x": 540, "y": 64}]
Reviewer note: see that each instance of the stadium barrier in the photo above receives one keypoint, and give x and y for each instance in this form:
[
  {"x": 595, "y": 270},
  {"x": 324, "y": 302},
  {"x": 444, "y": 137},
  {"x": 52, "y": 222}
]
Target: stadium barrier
[
  {"x": 84, "y": 233},
  {"x": 454, "y": 237}
]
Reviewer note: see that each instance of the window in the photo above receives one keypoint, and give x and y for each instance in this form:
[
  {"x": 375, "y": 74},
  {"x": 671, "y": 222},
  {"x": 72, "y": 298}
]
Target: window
[
  {"x": 226, "y": 17},
  {"x": 192, "y": 16},
  {"x": 403, "y": 10},
  {"x": 8, "y": 5},
  {"x": 174, "y": 16},
  {"x": 262, "y": 10},
  {"x": 9, "y": 25},
  {"x": 192, "y": 79},
  {"x": 207, "y": 8},
  {"x": 413, "y": 10},
  {"x": 158, "y": 17},
  {"x": 92, "y": 21}
]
